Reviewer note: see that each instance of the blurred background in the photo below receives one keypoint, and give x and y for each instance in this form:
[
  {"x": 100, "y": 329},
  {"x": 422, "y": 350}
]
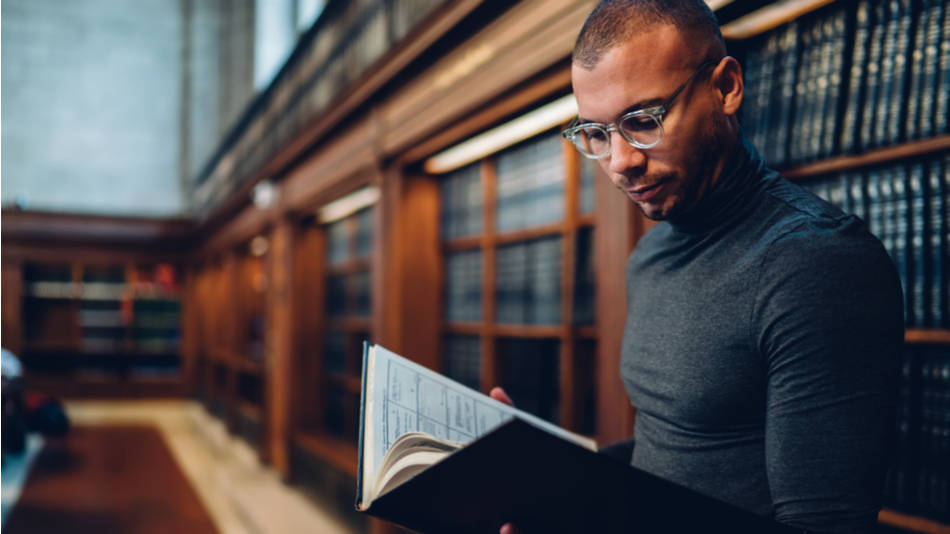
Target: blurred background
[{"x": 209, "y": 205}]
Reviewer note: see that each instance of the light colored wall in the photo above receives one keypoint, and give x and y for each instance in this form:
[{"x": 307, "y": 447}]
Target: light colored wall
[{"x": 92, "y": 105}]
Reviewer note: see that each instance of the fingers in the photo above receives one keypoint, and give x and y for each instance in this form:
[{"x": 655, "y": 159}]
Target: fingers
[
  {"x": 507, "y": 528},
  {"x": 499, "y": 395}
]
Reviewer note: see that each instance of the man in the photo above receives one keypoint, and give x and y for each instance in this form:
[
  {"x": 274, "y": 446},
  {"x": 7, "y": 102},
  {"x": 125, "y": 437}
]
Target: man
[{"x": 764, "y": 326}]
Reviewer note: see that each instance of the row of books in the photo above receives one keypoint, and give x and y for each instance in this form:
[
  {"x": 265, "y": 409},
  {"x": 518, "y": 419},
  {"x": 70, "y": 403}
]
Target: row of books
[
  {"x": 530, "y": 184},
  {"x": 918, "y": 480},
  {"x": 528, "y": 282},
  {"x": 461, "y": 359},
  {"x": 463, "y": 286},
  {"x": 906, "y": 204},
  {"x": 462, "y": 209},
  {"x": 530, "y": 374},
  {"x": 585, "y": 278},
  {"x": 850, "y": 78}
]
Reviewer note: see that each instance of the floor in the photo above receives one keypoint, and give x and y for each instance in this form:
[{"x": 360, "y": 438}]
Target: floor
[{"x": 241, "y": 495}]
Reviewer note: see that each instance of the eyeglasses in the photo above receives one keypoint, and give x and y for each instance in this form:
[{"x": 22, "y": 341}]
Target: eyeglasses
[{"x": 642, "y": 128}]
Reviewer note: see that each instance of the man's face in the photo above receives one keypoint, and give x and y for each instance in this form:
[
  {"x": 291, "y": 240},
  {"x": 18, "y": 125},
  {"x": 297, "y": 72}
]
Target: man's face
[{"x": 669, "y": 178}]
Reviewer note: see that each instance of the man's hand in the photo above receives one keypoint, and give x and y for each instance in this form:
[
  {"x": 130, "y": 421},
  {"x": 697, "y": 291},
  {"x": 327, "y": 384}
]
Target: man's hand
[{"x": 499, "y": 395}]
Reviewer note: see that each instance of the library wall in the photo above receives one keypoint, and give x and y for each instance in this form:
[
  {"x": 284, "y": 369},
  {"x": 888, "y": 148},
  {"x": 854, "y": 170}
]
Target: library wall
[
  {"x": 92, "y": 94},
  {"x": 853, "y": 102}
]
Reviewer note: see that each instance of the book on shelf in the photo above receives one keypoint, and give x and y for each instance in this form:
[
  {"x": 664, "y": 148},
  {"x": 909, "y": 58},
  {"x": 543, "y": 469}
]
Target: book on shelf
[{"x": 436, "y": 456}]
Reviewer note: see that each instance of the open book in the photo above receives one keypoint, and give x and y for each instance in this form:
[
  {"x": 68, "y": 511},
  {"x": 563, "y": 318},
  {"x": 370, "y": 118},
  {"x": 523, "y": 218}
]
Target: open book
[
  {"x": 413, "y": 417},
  {"x": 436, "y": 456}
]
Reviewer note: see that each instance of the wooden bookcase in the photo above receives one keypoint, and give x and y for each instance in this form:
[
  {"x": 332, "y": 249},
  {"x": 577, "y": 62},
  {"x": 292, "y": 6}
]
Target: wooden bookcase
[
  {"x": 883, "y": 34},
  {"x": 89, "y": 317}
]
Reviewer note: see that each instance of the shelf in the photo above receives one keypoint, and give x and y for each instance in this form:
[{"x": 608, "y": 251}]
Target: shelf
[
  {"x": 352, "y": 266},
  {"x": 519, "y": 330},
  {"x": 51, "y": 346},
  {"x": 854, "y": 161},
  {"x": 912, "y": 523},
  {"x": 927, "y": 335},
  {"x": 351, "y": 324},
  {"x": 768, "y": 17},
  {"x": 339, "y": 453}
]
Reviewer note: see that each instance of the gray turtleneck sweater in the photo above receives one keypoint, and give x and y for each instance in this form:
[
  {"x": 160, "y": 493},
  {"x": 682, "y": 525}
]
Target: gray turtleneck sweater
[{"x": 762, "y": 349}]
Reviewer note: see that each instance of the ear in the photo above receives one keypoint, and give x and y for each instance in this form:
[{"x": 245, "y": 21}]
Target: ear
[{"x": 727, "y": 78}]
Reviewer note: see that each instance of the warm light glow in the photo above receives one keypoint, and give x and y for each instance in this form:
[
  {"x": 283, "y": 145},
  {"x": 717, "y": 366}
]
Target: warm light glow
[
  {"x": 717, "y": 4},
  {"x": 347, "y": 205},
  {"x": 530, "y": 124}
]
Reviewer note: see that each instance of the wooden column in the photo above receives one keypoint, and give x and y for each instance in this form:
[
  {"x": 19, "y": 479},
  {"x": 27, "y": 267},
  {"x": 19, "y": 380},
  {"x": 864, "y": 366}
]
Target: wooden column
[
  {"x": 12, "y": 306},
  {"x": 409, "y": 235},
  {"x": 280, "y": 347}
]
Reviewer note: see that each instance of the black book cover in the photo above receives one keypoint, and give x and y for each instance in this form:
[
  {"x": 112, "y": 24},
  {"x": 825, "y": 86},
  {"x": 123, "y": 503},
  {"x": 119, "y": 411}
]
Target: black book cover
[{"x": 543, "y": 484}]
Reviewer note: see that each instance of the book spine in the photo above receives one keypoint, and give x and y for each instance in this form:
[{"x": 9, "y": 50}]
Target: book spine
[
  {"x": 874, "y": 219},
  {"x": 822, "y": 87},
  {"x": 934, "y": 232},
  {"x": 916, "y": 74},
  {"x": 857, "y": 189},
  {"x": 918, "y": 244},
  {"x": 811, "y": 120},
  {"x": 942, "y": 115},
  {"x": 856, "y": 77},
  {"x": 789, "y": 66},
  {"x": 887, "y": 73},
  {"x": 901, "y": 237},
  {"x": 898, "y": 101},
  {"x": 835, "y": 102},
  {"x": 931, "y": 60},
  {"x": 872, "y": 78},
  {"x": 943, "y": 262}
]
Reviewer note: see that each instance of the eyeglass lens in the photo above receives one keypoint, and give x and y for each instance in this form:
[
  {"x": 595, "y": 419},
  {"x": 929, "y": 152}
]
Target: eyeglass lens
[{"x": 641, "y": 129}]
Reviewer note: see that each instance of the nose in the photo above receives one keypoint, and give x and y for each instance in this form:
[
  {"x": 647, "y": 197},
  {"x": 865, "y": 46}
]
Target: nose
[{"x": 625, "y": 159}]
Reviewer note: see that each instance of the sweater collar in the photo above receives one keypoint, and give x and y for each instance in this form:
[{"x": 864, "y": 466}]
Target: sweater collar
[{"x": 731, "y": 197}]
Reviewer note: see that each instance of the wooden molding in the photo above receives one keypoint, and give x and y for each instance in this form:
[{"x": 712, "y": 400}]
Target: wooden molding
[{"x": 32, "y": 227}]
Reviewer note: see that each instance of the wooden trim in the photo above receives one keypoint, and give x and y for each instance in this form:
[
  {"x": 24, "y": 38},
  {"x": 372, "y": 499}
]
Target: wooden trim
[
  {"x": 334, "y": 113},
  {"x": 937, "y": 336},
  {"x": 349, "y": 324},
  {"x": 912, "y": 523},
  {"x": 770, "y": 16},
  {"x": 554, "y": 82},
  {"x": 883, "y": 155},
  {"x": 33, "y": 227},
  {"x": 527, "y": 234},
  {"x": 350, "y": 266},
  {"x": 529, "y": 331}
]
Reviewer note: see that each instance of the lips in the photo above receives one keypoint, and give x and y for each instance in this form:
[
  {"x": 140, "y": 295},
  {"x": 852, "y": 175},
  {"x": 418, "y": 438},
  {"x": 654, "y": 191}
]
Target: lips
[{"x": 644, "y": 194}]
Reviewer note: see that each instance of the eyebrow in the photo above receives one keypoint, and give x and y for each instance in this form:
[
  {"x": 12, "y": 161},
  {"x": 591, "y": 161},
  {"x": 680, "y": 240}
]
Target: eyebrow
[{"x": 643, "y": 104}]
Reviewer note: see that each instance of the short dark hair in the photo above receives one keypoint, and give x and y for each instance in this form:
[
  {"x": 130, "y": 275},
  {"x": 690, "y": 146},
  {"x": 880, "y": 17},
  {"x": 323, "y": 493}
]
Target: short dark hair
[{"x": 613, "y": 22}]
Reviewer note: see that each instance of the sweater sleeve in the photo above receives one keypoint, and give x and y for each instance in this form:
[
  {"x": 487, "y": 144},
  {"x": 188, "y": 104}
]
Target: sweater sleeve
[{"x": 828, "y": 319}]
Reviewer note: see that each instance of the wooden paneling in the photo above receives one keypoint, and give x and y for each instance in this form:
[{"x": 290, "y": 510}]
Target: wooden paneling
[
  {"x": 281, "y": 348},
  {"x": 11, "y": 302},
  {"x": 530, "y": 38}
]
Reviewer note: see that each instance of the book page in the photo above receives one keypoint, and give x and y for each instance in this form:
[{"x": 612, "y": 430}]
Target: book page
[{"x": 411, "y": 398}]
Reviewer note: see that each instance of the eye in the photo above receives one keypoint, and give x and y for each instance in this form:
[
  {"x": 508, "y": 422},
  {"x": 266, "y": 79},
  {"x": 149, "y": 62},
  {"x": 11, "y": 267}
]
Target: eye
[
  {"x": 596, "y": 135},
  {"x": 639, "y": 123}
]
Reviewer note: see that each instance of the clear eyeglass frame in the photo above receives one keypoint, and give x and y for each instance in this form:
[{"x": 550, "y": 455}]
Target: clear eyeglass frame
[{"x": 647, "y": 122}]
